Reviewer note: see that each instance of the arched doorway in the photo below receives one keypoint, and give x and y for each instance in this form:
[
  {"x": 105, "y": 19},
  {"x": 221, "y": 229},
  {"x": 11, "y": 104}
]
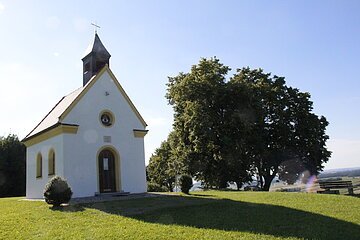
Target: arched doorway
[{"x": 107, "y": 171}]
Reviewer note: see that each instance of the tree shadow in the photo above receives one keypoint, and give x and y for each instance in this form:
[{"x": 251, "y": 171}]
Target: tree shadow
[
  {"x": 197, "y": 194},
  {"x": 68, "y": 208},
  {"x": 355, "y": 195},
  {"x": 229, "y": 215}
]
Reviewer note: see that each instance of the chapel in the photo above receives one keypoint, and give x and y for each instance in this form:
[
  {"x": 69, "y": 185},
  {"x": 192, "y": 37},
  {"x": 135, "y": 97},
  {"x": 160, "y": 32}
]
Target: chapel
[{"x": 93, "y": 137}]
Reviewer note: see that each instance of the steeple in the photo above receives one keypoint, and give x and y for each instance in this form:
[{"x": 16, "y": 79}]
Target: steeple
[{"x": 95, "y": 58}]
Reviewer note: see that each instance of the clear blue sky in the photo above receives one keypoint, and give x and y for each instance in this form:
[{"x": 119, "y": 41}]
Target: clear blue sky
[{"x": 314, "y": 44}]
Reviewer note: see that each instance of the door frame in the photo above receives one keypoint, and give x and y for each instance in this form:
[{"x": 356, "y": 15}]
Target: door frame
[{"x": 118, "y": 187}]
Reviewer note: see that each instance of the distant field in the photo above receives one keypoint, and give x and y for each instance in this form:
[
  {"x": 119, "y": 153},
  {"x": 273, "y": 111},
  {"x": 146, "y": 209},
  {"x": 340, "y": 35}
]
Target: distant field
[{"x": 202, "y": 215}]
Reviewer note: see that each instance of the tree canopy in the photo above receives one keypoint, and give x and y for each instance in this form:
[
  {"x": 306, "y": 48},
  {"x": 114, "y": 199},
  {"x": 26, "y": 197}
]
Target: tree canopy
[
  {"x": 230, "y": 130},
  {"x": 284, "y": 129}
]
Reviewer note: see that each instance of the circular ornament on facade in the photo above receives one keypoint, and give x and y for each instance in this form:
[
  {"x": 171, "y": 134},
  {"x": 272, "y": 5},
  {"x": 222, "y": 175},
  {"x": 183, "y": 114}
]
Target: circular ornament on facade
[{"x": 106, "y": 119}]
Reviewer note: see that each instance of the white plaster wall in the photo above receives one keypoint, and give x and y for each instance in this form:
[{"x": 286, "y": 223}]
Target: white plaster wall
[
  {"x": 80, "y": 157},
  {"x": 35, "y": 186},
  {"x": 133, "y": 169}
]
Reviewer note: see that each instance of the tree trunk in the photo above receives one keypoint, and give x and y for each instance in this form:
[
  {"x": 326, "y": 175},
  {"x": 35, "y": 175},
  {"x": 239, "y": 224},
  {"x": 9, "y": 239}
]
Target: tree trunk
[
  {"x": 170, "y": 187},
  {"x": 260, "y": 181},
  {"x": 268, "y": 180},
  {"x": 238, "y": 185},
  {"x": 223, "y": 184}
]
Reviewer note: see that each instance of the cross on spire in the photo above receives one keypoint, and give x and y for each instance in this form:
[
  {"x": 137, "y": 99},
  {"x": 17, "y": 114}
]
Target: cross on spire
[{"x": 96, "y": 26}]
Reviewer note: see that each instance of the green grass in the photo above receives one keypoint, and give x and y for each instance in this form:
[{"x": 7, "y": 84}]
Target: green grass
[{"x": 202, "y": 215}]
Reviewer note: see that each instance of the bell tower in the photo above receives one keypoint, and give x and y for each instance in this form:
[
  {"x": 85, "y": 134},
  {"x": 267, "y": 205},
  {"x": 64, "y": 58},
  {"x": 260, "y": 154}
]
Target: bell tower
[{"x": 95, "y": 58}]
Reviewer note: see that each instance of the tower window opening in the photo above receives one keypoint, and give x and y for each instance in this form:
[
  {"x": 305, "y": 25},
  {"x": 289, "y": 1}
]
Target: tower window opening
[{"x": 86, "y": 67}]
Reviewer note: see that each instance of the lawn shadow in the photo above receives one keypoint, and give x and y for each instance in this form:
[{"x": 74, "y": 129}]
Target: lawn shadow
[
  {"x": 356, "y": 195},
  {"x": 68, "y": 208},
  {"x": 229, "y": 215},
  {"x": 201, "y": 195}
]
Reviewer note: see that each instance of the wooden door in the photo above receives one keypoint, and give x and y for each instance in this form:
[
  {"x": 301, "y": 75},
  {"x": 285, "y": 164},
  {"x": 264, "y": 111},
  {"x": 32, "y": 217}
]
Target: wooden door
[{"x": 107, "y": 171}]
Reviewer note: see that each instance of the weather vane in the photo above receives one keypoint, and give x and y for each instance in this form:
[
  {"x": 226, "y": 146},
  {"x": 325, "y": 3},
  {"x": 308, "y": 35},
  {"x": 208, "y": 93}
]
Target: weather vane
[{"x": 96, "y": 26}]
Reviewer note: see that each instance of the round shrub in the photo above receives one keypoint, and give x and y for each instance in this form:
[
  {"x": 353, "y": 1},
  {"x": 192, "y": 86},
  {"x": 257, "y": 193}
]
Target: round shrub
[
  {"x": 185, "y": 183},
  {"x": 252, "y": 188},
  {"x": 57, "y": 191},
  {"x": 154, "y": 187}
]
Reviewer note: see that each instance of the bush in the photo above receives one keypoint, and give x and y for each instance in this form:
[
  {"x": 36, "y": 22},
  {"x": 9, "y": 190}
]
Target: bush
[
  {"x": 154, "y": 187},
  {"x": 252, "y": 188},
  {"x": 57, "y": 191},
  {"x": 185, "y": 183}
]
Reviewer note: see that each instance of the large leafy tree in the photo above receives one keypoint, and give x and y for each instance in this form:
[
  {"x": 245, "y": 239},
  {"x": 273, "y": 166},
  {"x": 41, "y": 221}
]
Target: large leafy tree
[
  {"x": 285, "y": 128},
  {"x": 253, "y": 124},
  {"x": 12, "y": 166},
  {"x": 209, "y": 123}
]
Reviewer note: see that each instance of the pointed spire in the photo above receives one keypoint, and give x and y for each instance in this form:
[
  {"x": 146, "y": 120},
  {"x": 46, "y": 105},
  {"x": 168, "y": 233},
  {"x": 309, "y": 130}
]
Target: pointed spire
[
  {"x": 95, "y": 58},
  {"x": 96, "y": 47}
]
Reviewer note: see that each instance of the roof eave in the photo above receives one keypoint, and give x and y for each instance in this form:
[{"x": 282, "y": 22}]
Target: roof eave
[{"x": 26, "y": 139}]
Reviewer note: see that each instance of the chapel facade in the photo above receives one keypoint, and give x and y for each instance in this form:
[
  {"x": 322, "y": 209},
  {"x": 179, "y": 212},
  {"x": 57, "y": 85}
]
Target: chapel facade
[{"x": 93, "y": 137}]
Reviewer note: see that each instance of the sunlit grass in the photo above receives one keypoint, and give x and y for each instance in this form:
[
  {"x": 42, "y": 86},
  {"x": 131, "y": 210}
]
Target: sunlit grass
[{"x": 202, "y": 215}]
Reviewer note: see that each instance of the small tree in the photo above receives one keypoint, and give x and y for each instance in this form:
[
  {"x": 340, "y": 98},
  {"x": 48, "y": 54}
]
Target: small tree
[
  {"x": 185, "y": 183},
  {"x": 12, "y": 166},
  {"x": 57, "y": 191},
  {"x": 154, "y": 187},
  {"x": 164, "y": 164}
]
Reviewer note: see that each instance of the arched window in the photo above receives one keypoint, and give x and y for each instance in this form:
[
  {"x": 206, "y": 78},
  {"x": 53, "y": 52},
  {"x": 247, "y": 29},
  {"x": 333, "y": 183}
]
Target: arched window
[
  {"x": 39, "y": 166},
  {"x": 51, "y": 162}
]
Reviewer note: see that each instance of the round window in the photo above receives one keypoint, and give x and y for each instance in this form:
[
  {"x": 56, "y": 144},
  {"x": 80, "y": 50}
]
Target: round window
[{"x": 106, "y": 119}]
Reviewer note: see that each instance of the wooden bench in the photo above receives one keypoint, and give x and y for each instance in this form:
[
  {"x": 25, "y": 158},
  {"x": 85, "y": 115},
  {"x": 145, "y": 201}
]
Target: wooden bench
[{"x": 331, "y": 186}]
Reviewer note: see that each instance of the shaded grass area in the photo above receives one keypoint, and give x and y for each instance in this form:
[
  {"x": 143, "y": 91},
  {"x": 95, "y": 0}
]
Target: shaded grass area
[
  {"x": 205, "y": 215},
  {"x": 234, "y": 212}
]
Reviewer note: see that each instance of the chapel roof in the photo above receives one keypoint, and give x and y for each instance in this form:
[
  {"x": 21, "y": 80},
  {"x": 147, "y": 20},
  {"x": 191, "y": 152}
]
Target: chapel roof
[
  {"x": 52, "y": 118},
  {"x": 56, "y": 114}
]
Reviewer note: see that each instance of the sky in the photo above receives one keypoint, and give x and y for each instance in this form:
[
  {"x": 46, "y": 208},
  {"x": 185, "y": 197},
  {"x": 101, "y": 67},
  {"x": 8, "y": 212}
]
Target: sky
[{"x": 315, "y": 45}]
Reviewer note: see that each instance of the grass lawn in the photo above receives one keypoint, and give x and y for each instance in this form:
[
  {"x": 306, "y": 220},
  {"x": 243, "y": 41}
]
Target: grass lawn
[{"x": 202, "y": 215}]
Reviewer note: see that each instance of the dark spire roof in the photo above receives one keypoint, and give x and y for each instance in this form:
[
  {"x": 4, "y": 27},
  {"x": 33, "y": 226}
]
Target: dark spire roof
[
  {"x": 98, "y": 48},
  {"x": 95, "y": 58}
]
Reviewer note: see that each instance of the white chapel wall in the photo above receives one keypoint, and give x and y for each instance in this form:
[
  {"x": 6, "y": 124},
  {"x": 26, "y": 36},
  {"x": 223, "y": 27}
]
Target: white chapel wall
[
  {"x": 35, "y": 186},
  {"x": 82, "y": 148}
]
